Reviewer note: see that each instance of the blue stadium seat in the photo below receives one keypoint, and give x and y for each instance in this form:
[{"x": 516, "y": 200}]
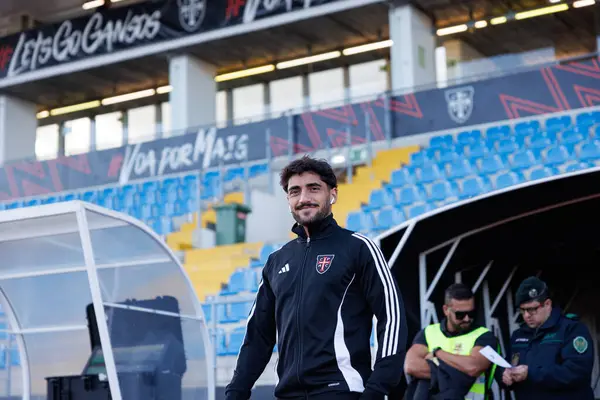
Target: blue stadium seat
[
  {"x": 556, "y": 155},
  {"x": 577, "y": 166},
  {"x": 468, "y": 137},
  {"x": 498, "y": 132},
  {"x": 379, "y": 198},
  {"x": 388, "y": 218},
  {"x": 441, "y": 141},
  {"x": 540, "y": 172},
  {"x": 539, "y": 140},
  {"x": 242, "y": 280},
  {"x": 359, "y": 221},
  {"x": 258, "y": 169},
  {"x": 429, "y": 173},
  {"x": 527, "y": 128},
  {"x": 409, "y": 195},
  {"x": 523, "y": 159},
  {"x": 239, "y": 311},
  {"x": 236, "y": 338},
  {"x": 590, "y": 151},
  {"x": 558, "y": 123},
  {"x": 507, "y": 179},
  {"x": 15, "y": 359},
  {"x": 476, "y": 150},
  {"x": 234, "y": 173},
  {"x": 419, "y": 158},
  {"x": 419, "y": 209},
  {"x": 507, "y": 146},
  {"x": 440, "y": 191},
  {"x": 472, "y": 187},
  {"x": 460, "y": 169},
  {"x": 400, "y": 177},
  {"x": 491, "y": 164}
]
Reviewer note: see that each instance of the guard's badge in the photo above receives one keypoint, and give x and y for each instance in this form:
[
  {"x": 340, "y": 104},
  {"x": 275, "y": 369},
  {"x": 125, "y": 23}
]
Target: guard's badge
[
  {"x": 533, "y": 293},
  {"x": 580, "y": 344},
  {"x": 458, "y": 348},
  {"x": 515, "y": 360}
]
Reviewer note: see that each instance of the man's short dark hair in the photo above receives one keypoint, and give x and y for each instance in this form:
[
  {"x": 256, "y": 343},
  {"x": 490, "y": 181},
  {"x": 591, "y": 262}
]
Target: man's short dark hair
[
  {"x": 308, "y": 164},
  {"x": 458, "y": 291}
]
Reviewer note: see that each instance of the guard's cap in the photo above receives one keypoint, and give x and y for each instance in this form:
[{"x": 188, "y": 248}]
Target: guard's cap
[{"x": 532, "y": 289}]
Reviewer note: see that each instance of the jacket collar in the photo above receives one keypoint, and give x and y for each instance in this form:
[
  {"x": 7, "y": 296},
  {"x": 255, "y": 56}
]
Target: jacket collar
[
  {"x": 319, "y": 229},
  {"x": 448, "y": 334}
]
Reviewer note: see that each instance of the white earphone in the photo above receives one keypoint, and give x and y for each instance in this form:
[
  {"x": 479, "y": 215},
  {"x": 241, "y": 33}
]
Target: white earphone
[{"x": 332, "y": 200}]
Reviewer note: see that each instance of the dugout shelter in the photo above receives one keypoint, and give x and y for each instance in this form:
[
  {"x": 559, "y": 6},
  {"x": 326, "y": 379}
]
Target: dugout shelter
[
  {"x": 90, "y": 292},
  {"x": 548, "y": 228}
]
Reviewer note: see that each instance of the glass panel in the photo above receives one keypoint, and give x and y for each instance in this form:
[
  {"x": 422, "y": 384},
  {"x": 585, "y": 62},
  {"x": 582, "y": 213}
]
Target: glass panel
[
  {"x": 151, "y": 342},
  {"x": 56, "y": 354},
  {"x": 109, "y": 130},
  {"x": 77, "y": 136},
  {"x": 49, "y": 300},
  {"x": 286, "y": 95},
  {"x": 248, "y": 103},
  {"x": 11, "y": 378},
  {"x": 367, "y": 79},
  {"x": 147, "y": 281},
  {"x": 141, "y": 124},
  {"x": 123, "y": 244},
  {"x": 46, "y": 142},
  {"x": 53, "y": 249},
  {"x": 326, "y": 88}
]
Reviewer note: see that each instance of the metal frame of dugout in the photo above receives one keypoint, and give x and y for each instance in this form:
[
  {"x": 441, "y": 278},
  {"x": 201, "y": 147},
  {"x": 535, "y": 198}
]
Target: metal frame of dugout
[
  {"x": 491, "y": 242},
  {"x": 99, "y": 308}
]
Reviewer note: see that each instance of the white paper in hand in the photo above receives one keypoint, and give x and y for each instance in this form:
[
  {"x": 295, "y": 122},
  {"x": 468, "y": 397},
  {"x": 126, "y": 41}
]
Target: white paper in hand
[{"x": 494, "y": 357}]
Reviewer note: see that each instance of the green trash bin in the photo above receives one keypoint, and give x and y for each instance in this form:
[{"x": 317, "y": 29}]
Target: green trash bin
[{"x": 231, "y": 223}]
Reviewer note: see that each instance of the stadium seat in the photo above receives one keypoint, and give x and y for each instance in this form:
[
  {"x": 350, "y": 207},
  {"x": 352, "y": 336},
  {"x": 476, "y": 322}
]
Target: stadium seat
[
  {"x": 540, "y": 172},
  {"x": 409, "y": 195},
  {"x": 577, "y": 166},
  {"x": 590, "y": 151},
  {"x": 440, "y": 191},
  {"x": 379, "y": 198},
  {"x": 527, "y": 128},
  {"x": 236, "y": 338},
  {"x": 491, "y": 164},
  {"x": 429, "y": 173},
  {"x": 221, "y": 341},
  {"x": 507, "y": 179},
  {"x": 242, "y": 280},
  {"x": 419, "y": 209},
  {"x": 468, "y": 137},
  {"x": 418, "y": 159},
  {"x": 400, "y": 177},
  {"x": 359, "y": 221},
  {"x": 460, "y": 169},
  {"x": 558, "y": 123},
  {"x": 507, "y": 146},
  {"x": 472, "y": 187},
  {"x": 442, "y": 141},
  {"x": 556, "y": 155},
  {"x": 239, "y": 311},
  {"x": 476, "y": 150},
  {"x": 388, "y": 218}
]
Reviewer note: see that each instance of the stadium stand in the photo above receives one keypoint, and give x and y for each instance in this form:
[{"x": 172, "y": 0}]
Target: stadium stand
[{"x": 453, "y": 167}]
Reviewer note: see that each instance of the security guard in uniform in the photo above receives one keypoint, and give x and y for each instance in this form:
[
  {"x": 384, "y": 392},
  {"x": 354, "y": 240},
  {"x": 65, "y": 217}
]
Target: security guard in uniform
[
  {"x": 552, "y": 354},
  {"x": 453, "y": 345}
]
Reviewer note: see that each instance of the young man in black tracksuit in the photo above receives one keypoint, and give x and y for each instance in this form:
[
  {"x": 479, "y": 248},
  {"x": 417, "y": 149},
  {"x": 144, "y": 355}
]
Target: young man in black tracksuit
[{"x": 319, "y": 294}]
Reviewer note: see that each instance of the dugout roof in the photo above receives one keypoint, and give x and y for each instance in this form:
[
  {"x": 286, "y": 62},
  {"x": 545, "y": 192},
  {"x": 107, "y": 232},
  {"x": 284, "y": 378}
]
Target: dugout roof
[{"x": 546, "y": 227}]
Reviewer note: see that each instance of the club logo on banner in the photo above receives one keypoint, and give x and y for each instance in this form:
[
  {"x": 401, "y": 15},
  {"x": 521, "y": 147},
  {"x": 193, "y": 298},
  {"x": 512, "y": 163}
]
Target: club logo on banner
[
  {"x": 191, "y": 13},
  {"x": 460, "y": 103}
]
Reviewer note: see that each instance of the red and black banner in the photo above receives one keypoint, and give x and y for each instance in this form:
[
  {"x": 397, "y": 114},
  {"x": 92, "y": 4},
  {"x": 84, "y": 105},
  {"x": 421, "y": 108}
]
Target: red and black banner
[{"x": 113, "y": 30}]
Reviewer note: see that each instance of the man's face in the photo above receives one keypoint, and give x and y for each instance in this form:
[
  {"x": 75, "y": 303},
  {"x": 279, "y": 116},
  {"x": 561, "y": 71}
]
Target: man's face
[
  {"x": 309, "y": 198},
  {"x": 535, "y": 313},
  {"x": 460, "y": 314}
]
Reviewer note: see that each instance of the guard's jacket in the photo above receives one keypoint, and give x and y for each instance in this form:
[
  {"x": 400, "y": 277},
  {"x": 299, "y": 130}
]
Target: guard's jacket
[
  {"x": 316, "y": 301},
  {"x": 559, "y": 356}
]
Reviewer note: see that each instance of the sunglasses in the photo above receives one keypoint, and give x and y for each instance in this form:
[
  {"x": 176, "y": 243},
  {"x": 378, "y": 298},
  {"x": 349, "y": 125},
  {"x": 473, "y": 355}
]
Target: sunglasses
[{"x": 460, "y": 315}]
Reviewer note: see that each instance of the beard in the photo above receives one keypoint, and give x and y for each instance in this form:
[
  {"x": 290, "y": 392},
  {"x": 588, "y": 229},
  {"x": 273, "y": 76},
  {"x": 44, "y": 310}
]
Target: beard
[{"x": 320, "y": 215}]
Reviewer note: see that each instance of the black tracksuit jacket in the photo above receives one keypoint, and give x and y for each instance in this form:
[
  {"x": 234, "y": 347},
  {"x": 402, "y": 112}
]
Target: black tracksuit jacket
[{"x": 319, "y": 294}]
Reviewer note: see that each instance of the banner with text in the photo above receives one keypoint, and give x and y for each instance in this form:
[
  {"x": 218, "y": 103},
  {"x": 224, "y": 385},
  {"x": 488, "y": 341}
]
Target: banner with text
[
  {"x": 123, "y": 28},
  {"x": 554, "y": 89}
]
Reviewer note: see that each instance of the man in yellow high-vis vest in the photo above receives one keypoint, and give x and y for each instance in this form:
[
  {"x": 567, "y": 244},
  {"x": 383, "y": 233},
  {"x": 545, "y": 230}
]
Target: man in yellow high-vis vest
[{"x": 454, "y": 344}]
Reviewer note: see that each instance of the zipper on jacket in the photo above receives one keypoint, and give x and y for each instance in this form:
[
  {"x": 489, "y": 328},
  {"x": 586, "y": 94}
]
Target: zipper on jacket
[{"x": 299, "y": 302}]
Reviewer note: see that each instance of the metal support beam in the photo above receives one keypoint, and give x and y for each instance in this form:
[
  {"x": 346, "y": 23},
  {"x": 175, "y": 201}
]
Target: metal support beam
[
  {"x": 428, "y": 311},
  {"x": 482, "y": 276},
  {"x": 503, "y": 290}
]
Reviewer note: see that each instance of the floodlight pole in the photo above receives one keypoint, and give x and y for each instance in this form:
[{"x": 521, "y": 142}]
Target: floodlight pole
[{"x": 94, "y": 282}]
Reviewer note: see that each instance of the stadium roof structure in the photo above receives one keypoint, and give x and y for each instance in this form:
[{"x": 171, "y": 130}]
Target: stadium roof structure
[
  {"x": 57, "y": 260},
  {"x": 546, "y": 228}
]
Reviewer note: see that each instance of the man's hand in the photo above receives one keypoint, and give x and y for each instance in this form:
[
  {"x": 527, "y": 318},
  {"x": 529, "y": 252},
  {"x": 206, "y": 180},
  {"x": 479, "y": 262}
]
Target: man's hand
[
  {"x": 507, "y": 377},
  {"x": 519, "y": 373},
  {"x": 429, "y": 356}
]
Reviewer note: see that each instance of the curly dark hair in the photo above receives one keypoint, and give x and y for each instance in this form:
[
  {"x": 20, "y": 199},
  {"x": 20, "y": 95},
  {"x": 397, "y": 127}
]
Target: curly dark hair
[{"x": 308, "y": 164}]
